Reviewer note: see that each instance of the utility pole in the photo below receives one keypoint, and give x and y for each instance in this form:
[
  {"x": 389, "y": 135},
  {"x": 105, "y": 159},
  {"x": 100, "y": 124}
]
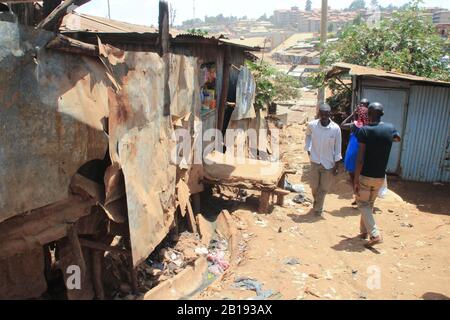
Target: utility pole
[
  {"x": 109, "y": 10},
  {"x": 323, "y": 41}
]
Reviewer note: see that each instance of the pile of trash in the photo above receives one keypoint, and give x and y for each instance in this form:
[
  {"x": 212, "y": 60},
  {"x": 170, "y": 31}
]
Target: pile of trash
[
  {"x": 169, "y": 261},
  {"x": 218, "y": 256}
]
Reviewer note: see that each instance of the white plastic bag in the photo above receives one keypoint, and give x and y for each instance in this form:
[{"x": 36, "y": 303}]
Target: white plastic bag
[{"x": 384, "y": 189}]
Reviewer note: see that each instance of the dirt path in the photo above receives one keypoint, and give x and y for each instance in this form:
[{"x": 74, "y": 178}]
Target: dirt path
[{"x": 413, "y": 263}]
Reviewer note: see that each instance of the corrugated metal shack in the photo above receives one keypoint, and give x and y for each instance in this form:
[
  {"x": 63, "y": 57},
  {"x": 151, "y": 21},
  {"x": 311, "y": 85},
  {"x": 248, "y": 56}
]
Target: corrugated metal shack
[
  {"x": 420, "y": 110},
  {"x": 87, "y": 122}
]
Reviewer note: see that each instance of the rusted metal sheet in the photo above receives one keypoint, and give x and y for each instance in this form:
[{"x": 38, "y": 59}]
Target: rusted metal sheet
[
  {"x": 13, "y": 284},
  {"x": 356, "y": 70},
  {"x": 51, "y": 110},
  {"x": 141, "y": 141}
]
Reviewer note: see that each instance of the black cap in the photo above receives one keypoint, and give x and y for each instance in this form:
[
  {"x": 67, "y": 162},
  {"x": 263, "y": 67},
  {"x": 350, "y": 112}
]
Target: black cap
[
  {"x": 377, "y": 107},
  {"x": 365, "y": 101},
  {"x": 325, "y": 107}
]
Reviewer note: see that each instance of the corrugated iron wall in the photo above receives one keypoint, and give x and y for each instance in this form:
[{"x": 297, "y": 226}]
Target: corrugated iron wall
[{"x": 427, "y": 135}]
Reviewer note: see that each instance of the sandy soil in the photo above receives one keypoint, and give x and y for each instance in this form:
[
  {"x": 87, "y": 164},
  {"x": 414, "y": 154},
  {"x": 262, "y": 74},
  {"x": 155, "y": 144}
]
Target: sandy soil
[{"x": 413, "y": 262}]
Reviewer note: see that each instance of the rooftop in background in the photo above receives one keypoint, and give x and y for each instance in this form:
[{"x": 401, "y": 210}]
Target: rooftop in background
[
  {"x": 83, "y": 22},
  {"x": 356, "y": 70},
  {"x": 260, "y": 42},
  {"x": 293, "y": 40}
]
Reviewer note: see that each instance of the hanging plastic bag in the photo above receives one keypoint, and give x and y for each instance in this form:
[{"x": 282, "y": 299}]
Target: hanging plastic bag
[{"x": 384, "y": 189}]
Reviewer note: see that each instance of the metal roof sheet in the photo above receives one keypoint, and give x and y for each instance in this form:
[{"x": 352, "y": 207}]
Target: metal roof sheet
[{"x": 357, "y": 70}]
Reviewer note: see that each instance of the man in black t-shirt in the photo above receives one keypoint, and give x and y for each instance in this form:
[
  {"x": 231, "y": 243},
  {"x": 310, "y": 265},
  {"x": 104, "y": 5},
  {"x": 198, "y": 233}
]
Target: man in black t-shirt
[{"x": 375, "y": 144}]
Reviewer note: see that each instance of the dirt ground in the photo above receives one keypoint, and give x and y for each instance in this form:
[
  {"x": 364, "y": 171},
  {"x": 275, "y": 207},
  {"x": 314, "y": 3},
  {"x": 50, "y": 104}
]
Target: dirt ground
[{"x": 412, "y": 263}]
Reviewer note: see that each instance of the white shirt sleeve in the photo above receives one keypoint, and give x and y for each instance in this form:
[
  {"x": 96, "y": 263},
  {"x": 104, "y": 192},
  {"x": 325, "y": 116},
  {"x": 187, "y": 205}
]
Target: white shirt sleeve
[
  {"x": 308, "y": 139},
  {"x": 338, "y": 146}
]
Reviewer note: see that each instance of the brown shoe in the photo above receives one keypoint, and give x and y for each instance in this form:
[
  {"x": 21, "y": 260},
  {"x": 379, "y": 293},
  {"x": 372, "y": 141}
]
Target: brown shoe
[{"x": 374, "y": 241}]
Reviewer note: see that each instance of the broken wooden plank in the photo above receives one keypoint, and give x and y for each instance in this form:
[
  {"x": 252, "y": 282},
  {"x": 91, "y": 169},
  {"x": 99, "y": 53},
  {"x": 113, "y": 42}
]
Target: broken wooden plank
[
  {"x": 102, "y": 247},
  {"x": 191, "y": 219},
  {"x": 53, "y": 21},
  {"x": 66, "y": 44}
]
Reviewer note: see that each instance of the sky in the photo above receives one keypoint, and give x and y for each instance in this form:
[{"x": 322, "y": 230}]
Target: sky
[{"x": 145, "y": 12}]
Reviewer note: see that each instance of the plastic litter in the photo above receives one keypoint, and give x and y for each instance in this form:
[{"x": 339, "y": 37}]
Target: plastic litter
[
  {"x": 384, "y": 189},
  {"x": 291, "y": 261},
  {"x": 301, "y": 199},
  {"x": 201, "y": 251},
  {"x": 252, "y": 284},
  {"x": 297, "y": 188}
]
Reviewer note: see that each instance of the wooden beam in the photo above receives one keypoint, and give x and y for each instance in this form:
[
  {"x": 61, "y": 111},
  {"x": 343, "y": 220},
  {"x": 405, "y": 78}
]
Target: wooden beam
[
  {"x": 66, "y": 44},
  {"x": 164, "y": 44},
  {"x": 54, "y": 19},
  {"x": 102, "y": 247}
]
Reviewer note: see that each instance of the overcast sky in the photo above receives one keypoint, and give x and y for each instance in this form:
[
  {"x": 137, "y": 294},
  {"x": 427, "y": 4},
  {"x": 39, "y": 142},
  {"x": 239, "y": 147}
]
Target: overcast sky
[{"x": 146, "y": 11}]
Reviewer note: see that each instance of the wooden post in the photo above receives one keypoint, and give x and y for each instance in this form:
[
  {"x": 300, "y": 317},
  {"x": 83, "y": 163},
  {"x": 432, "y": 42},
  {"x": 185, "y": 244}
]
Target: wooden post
[
  {"x": 164, "y": 47},
  {"x": 225, "y": 86},
  {"x": 264, "y": 202},
  {"x": 72, "y": 235},
  {"x": 280, "y": 198},
  {"x": 97, "y": 265}
]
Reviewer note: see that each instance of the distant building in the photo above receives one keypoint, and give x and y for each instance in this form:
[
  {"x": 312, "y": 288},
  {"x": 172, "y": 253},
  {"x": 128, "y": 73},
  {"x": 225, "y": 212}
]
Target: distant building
[
  {"x": 309, "y": 21},
  {"x": 441, "y": 17}
]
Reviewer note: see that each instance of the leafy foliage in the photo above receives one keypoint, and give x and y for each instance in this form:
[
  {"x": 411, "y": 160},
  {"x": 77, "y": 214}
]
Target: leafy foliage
[
  {"x": 272, "y": 85},
  {"x": 308, "y": 6},
  {"x": 357, "y": 4},
  {"x": 197, "y": 32},
  {"x": 406, "y": 43}
]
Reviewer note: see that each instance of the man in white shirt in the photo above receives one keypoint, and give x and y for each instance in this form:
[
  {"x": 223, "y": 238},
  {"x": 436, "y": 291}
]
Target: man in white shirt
[{"x": 323, "y": 144}]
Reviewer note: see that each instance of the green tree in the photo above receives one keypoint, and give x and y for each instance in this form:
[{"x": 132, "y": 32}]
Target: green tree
[
  {"x": 357, "y": 5},
  {"x": 374, "y": 3},
  {"x": 406, "y": 43},
  {"x": 272, "y": 85},
  {"x": 197, "y": 32},
  {"x": 308, "y": 6}
]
